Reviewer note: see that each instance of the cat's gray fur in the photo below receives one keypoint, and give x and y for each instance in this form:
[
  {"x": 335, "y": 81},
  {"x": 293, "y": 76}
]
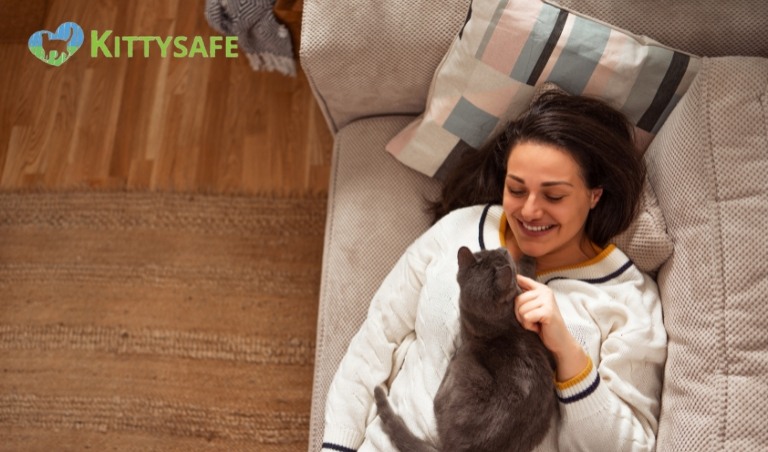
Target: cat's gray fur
[{"x": 498, "y": 391}]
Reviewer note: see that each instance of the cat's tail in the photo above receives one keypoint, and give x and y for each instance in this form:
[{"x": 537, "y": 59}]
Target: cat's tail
[{"x": 398, "y": 432}]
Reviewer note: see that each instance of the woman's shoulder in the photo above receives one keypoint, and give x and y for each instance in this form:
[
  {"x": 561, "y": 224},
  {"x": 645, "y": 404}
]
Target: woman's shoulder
[
  {"x": 472, "y": 214},
  {"x": 612, "y": 274},
  {"x": 469, "y": 226},
  {"x": 465, "y": 212}
]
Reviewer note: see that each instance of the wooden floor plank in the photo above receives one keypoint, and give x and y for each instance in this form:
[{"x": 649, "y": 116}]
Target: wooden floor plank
[{"x": 182, "y": 124}]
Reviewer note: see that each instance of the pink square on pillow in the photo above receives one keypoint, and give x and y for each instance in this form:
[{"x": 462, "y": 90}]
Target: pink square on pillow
[{"x": 505, "y": 39}]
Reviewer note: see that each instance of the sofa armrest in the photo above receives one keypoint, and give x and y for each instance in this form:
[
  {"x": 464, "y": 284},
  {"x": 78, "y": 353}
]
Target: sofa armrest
[{"x": 367, "y": 59}]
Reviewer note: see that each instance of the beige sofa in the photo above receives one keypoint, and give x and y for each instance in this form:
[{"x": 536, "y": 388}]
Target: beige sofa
[{"x": 370, "y": 65}]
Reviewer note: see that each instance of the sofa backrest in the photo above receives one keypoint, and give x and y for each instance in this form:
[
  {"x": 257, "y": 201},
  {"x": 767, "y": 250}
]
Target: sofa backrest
[
  {"x": 367, "y": 59},
  {"x": 375, "y": 58},
  {"x": 702, "y": 27}
]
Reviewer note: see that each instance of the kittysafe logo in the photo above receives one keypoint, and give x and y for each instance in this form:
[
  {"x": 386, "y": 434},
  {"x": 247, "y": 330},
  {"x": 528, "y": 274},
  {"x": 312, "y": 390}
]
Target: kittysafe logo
[
  {"x": 105, "y": 45},
  {"x": 68, "y": 32}
]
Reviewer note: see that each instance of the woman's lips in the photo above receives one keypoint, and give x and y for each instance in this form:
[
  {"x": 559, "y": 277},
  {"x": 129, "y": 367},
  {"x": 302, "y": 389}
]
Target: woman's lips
[{"x": 534, "y": 229}]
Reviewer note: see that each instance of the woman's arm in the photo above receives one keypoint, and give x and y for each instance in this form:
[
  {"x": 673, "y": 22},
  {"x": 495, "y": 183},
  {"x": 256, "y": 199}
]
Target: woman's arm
[
  {"x": 369, "y": 358},
  {"x": 615, "y": 404},
  {"x": 537, "y": 311},
  {"x": 608, "y": 402}
]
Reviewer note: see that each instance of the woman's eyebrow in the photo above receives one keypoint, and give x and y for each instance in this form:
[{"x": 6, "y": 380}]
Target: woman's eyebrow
[
  {"x": 544, "y": 184},
  {"x": 557, "y": 182}
]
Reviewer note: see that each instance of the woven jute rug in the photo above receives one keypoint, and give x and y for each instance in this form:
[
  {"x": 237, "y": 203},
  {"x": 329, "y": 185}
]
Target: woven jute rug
[{"x": 150, "y": 321}]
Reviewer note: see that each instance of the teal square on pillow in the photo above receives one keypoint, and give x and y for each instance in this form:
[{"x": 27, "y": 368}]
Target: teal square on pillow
[
  {"x": 528, "y": 67},
  {"x": 578, "y": 61},
  {"x": 471, "y": 122}
]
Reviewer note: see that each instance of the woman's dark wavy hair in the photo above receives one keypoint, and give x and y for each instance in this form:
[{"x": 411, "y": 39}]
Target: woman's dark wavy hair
[{"x": 599, "y": 138}]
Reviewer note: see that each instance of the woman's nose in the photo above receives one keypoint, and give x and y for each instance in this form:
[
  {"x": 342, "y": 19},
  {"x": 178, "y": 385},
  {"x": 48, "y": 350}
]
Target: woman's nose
[{"x": 531, "y": 209}]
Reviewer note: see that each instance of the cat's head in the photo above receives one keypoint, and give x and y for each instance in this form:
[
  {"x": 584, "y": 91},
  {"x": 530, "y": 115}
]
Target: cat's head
[{"x": 488, "y": 282}]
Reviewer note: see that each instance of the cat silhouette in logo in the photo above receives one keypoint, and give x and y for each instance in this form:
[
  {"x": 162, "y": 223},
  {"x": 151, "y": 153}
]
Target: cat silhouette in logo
[{"x": 56, "y": 49}]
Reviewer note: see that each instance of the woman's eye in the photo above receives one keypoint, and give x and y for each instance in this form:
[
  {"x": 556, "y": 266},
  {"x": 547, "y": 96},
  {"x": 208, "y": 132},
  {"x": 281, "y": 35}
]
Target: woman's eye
[{"x": 520, "y": 192}]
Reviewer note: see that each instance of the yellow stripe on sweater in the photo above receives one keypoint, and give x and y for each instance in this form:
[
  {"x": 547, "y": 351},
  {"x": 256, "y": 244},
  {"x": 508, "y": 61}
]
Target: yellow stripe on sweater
[{"x": 563, "y": 385}]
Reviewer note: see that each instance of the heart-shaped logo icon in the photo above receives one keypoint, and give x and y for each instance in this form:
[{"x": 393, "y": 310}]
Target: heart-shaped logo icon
[{"x": 69, "y": 32}]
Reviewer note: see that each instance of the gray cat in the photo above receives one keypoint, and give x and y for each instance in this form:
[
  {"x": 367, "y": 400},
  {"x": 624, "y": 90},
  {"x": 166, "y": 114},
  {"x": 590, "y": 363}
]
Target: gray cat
[{"x": 498, "y": 391}]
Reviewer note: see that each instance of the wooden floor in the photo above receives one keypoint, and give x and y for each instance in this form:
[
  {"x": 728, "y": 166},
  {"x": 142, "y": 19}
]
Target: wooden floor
[{"x": 181, "y": 124}]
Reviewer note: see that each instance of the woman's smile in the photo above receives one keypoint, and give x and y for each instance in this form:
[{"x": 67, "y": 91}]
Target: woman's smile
[{"x": 535, "y": 230}]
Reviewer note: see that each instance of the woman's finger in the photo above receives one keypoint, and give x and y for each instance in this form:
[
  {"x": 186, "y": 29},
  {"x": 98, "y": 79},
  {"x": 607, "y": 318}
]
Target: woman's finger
[
  {"x": 526, "y": 306},
  {"x": 527, "y": 283},
  {"x": 526, "y": 297},
  {"x": 529, "y": 324},
  {"x": 521, "y": 310}
]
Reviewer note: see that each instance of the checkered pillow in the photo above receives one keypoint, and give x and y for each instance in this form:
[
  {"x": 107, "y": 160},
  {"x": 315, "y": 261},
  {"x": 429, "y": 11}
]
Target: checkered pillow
[{"x": 509, "y": 47}]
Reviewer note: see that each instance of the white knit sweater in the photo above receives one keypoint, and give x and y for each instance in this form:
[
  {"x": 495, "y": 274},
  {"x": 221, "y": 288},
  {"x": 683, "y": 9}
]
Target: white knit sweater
[{"x": 412, "y": 331}]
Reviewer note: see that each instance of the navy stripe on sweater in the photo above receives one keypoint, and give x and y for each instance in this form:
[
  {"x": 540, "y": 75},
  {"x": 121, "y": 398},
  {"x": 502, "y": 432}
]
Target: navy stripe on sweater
[
  {"x": 331, "y": 446},
  {"x": 583, "y": 394},
  {"x": 602, "y": 279},
  {"x": 480, "y": 236}
]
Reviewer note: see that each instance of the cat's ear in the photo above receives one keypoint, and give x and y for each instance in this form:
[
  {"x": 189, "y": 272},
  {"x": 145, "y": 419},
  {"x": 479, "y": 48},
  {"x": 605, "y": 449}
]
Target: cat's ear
[
  {"x": 527, "y": 266},
  {"x": 505, "y": 278},
  {"x": 466, "y": 258}
]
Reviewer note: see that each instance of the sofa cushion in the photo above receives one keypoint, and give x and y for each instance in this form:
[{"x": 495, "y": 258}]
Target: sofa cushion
[
  {"x": 709, "y": 167},
  {"x": 646, "y": 241},
  {"x": 506, "y": 48},
  {"x": 375, "y": 210}
]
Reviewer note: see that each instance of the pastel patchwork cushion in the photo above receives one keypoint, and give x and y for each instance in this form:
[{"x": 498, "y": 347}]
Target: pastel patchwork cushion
[{"x": 509, "y": 47}]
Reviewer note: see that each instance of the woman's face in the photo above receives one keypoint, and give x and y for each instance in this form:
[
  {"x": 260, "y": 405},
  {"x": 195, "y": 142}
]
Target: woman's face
[{"x": 546, "y": 202}]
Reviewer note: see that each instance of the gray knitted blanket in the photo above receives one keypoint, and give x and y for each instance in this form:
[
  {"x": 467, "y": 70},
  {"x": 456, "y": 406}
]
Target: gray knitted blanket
[{"x": 266, "y": 42}]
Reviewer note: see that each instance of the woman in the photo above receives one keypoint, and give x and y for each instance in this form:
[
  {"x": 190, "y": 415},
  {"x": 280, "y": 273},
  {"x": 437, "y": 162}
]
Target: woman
[{"x": 568, "y": 179}]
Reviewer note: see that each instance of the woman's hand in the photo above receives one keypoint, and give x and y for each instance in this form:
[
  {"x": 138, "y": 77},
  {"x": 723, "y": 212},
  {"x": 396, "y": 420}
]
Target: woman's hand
[{"x": 537, "y": 311}]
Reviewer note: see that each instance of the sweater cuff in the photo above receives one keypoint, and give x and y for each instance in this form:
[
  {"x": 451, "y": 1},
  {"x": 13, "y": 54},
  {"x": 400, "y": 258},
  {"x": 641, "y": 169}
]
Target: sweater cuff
[
  {"x": 341, "y": 439},
  {"x": 584, "y": 395},
  {"x": 580, "y": 386}
]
